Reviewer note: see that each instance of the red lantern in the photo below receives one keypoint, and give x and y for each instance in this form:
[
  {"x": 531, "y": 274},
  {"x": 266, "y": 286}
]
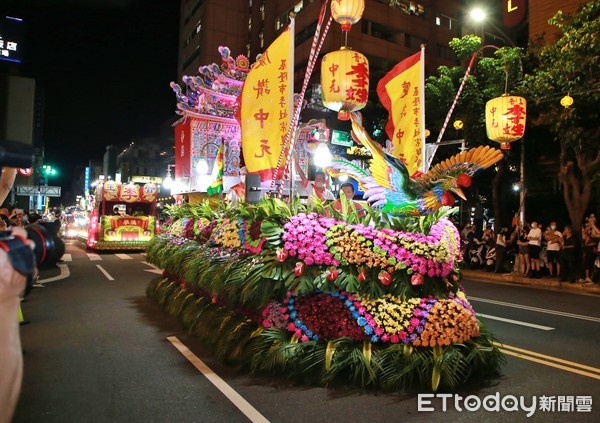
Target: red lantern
[
  {"x": 416, "y": 279},
  {"x": 345, "y": 81},
  {"x": 505, "y": 119},
  {"x": 281, "y": 254},
  {"x": 347, "y": 12},
  {"x": 299, "y": 269},
  {"x": 385, "y": 278},
  {"x": 332, "y": 274}
]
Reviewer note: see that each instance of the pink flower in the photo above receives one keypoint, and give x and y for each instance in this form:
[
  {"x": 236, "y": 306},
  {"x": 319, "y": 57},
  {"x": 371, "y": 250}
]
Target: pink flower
[
  {"x": 402, "y": 334},
  {"x": 266, "y": 323},
  {"x": 394, "y": 339}
]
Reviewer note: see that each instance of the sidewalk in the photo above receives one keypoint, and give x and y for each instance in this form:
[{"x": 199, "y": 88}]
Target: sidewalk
[{"x": 545, "y": 282}]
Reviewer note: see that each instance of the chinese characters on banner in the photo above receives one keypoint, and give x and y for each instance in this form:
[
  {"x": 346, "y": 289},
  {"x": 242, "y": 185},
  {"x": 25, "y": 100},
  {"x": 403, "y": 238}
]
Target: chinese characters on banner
[
  {"x": 266, "y": 107},
  {"x": 402, "y": 93}
]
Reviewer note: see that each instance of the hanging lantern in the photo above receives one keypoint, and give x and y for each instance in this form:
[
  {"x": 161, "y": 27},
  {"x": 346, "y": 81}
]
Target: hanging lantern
[
  {"x": 345, "y": 81},
  {"x": 566, "y": 101},
  {"x": 505, "y": 119},
  {"x": 458, "y": 124},
  {"x": 347, "y": 12}
]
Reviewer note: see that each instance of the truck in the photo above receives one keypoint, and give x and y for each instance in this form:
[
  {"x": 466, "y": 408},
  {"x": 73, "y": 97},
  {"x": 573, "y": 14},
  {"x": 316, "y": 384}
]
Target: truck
[{"x": 123, "y": 217}]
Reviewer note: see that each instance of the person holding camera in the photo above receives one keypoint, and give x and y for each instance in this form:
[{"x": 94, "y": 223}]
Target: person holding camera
[{"x": 12, "y": 286}]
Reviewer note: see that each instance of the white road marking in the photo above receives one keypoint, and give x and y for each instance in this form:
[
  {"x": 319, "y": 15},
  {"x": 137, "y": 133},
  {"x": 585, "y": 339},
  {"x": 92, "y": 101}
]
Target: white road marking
[
  {"x": 124, "y": 256},
  {"x": 94, "y": 257},
  {"x": 540, "y": 310},
  {"x": 237, "y": 400},
  {"x": 67, "y": 257},
  {"x": 64, "y": 273},
  {"x": 154, "y": 268},
  {"x": 109, "y": 277},
  {"x": 515, "y": 322}
]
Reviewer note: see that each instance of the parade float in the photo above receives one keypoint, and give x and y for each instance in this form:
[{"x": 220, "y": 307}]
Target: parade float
[
  {"x": 123, "y": 217},
  {"x": 323, "y": 296}
]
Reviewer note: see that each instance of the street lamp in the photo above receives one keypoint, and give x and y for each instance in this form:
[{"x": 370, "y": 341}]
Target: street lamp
[
  {"x": 168, "y": 179},
  {"x": 479, "y": 15}
]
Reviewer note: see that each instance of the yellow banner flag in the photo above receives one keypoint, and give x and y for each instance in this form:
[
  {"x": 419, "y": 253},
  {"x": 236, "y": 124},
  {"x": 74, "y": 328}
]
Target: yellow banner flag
[
  {"x": 402, "y": 93},
  {"x": 266, "y": 107}
]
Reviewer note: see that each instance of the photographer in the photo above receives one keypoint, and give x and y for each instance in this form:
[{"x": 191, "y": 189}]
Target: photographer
[{"x": 12, "y": 285}]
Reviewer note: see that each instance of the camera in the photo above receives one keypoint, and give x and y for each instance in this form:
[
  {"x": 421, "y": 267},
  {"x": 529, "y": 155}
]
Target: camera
[
  {"x": 14, "y": 154},
  {"x": 23, "y": 258}
]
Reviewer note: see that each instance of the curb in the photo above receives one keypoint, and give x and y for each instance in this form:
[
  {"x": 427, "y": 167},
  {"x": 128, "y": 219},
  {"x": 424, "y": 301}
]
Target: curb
[{"x": 512, "y": 279}]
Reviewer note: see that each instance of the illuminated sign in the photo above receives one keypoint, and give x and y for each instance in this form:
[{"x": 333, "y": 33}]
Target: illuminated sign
[
  {"x": 146, "y": 179},
  {"x": 11, "y": 37},
  {"x": 341, "y": 138},
  {"x": 515, "y": 12},
  {"x": 86, "y": 180}
]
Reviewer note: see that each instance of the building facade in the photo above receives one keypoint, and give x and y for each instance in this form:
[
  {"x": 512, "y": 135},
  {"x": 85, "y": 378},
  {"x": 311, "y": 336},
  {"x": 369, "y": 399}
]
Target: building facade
[{"x": 388, "y": 32}]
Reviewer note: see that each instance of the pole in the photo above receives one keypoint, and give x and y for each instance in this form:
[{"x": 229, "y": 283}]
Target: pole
[{"x": 522, "y": 191}]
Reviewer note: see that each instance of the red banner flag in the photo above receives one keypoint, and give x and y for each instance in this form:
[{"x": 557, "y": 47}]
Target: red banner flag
[{"x": 402, "y": 93}]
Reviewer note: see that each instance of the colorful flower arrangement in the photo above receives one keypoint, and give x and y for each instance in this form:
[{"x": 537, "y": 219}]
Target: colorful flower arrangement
[
  {"x": 325, "y": 241},
  {"x": 416, "y": 321},
  {"x": 288, "y": 283}
]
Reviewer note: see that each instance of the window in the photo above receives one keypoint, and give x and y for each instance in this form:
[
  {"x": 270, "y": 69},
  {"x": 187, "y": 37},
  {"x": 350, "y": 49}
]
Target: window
[{"x": 306, "y": 33}]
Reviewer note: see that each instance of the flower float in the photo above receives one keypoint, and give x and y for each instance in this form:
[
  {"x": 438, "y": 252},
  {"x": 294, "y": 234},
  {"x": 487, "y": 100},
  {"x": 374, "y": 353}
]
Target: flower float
[{"x": 374, "y": 299}]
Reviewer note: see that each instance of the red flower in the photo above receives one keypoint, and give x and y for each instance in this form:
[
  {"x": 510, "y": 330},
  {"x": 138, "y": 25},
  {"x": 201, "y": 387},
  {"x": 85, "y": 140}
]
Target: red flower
[
  {"x": 362, "y": 275},
  {"x": 385, "y": 278},
  {"x": 299, "y": 269},
  {"x": 332, "y": 274},
  {"x": 282, "y": 254},
  {"x": 416, "y": 279}
]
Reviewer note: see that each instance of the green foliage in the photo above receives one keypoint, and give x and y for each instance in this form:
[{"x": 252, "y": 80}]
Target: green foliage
[
  {"x": 487, "y": 80},
  {"x": 238, "y": 340},
  {"x": 571, "y": 65}
]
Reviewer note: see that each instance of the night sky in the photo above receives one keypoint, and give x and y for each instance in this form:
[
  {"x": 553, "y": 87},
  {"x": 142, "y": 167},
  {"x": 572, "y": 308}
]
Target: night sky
[{"x": 104, "y": 68}]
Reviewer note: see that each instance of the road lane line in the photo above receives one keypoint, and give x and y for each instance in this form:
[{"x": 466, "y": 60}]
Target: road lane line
[
  {"x": 237, "y": 400},
  {"x": 515, "y": 322},
  {"x": 549, "y": 357},
  {"x": 109, "y": 277},
  {"x": 154, "y": 268},
  {"x": 64, "y": 273},
  {"x": 124, "y": 256},
  {"x": 541, "y": 310},
  {"x": 67, "y": 257},
  {"x": 94, "y": 257},
  {"x": 549, "y": 363}
]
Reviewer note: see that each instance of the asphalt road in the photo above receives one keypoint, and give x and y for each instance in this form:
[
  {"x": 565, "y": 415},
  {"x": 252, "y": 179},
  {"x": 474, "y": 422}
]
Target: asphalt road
[{"x": 97, "y": 350}]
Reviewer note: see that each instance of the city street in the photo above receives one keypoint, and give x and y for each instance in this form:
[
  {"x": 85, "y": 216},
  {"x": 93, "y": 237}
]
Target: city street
[{"x": 98, "y": 350}]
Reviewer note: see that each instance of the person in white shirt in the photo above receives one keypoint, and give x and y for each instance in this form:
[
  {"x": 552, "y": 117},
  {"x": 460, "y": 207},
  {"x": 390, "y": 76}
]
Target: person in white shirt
[
  {"x": 535, "y": 245},
  {"x": 318, "y": 188},
  {"x": 554, "y": 239}
]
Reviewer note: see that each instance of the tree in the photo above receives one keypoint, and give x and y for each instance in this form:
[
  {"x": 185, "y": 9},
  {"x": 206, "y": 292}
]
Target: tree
[
  {"x": 570, "y": 66},
  {"x": 487, "y": 81}
]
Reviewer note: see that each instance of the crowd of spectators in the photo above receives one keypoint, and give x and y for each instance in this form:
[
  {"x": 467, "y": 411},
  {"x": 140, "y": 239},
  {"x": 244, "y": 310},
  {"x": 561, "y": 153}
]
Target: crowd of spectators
[{"x": 539, "y": 250}]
